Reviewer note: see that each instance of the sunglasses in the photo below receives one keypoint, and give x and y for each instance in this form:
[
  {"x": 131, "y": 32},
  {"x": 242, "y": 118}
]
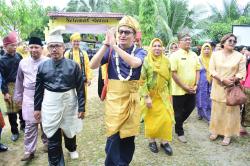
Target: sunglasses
[
  {"x": 126, "y": 32},
  {"x": 232, "y": 41}
]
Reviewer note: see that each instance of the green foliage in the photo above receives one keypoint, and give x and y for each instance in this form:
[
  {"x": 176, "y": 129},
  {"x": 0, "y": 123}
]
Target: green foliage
[
  {"x": 128, "y": 7},
  {"x": 173, "y": 16},
  {"x": 221, "y": 21},
  {"x": 23, "y": 16},
  {"x": 147, "y": 20},
  {"x": 217, "y": 30}
]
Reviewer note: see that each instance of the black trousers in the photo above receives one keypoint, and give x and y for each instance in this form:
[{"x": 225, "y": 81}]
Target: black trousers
[
  {"x": 119, "y": 152},
  {"x": 55, "y": 152},
  {"x": 13, "y": 122},
  {"x": 183, "y": 107}
]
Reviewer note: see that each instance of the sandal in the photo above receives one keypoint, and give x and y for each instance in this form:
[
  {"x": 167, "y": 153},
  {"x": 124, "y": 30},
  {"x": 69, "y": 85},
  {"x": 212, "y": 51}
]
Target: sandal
[
  {"x": 213, "y": 137},
  {"x": 226, "y": 141}
]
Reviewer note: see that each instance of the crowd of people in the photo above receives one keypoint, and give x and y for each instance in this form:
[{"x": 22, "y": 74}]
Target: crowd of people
[{"x": 141, "y": 86}]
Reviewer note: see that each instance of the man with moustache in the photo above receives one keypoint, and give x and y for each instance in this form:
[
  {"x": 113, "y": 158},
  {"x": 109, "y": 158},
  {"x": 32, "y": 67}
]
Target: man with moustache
[
  {"x": 59, "y": 100},
  {"x": 8, "y": 68},
  {"x": 24, "y": 96}
]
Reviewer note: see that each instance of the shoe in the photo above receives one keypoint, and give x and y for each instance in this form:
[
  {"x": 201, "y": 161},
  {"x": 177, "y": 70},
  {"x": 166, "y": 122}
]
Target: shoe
[
  {"x": 45, "y": 148},
  {"x": 153, "y": 147},
  {"x": 182, "y": 139},
  {"x": 28, "y": 157},
  {"x": 226, "y": 141},
  {"x": 14, "y": 137},
  {"x": 74, "y": 155},
  {"x": 213, "y": 137},
  {"x": 3, "y": 148},
  {"x": 167, "y": 148}
]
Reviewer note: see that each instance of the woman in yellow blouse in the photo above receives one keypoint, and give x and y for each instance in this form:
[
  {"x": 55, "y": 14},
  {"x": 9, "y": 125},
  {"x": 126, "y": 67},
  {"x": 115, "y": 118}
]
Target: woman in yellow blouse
[
  {"x": 226, "y": 67},
  {"x": 156, "y": 92}
]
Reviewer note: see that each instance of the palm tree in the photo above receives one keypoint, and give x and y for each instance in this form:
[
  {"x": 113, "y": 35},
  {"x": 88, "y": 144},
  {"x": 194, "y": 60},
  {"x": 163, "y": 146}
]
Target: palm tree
[
  {"x": 220, "y": 22},
  {"x": 231, "y": 11},
  {"x": 174, "y": 16}
]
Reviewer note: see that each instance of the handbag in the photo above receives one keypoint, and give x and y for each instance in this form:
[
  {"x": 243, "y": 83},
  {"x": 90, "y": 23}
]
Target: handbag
[
  {"x": 105, "y": 86},
  {"x": 235, "y": 95}
]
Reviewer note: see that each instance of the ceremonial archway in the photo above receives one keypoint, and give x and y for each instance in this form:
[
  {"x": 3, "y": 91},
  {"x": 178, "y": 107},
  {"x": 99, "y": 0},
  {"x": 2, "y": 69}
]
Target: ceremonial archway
[{"x": 83, "y": 22}]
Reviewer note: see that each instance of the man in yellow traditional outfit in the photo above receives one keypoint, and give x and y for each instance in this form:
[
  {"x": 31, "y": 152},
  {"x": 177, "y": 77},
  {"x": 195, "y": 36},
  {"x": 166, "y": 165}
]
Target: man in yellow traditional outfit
[
  {"x": 122, "y": 111},
  {"x": 80, "y": 57}
]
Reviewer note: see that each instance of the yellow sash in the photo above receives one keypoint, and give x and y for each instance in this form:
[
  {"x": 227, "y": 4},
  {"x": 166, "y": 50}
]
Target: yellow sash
[{"x": 122, "y": 108}]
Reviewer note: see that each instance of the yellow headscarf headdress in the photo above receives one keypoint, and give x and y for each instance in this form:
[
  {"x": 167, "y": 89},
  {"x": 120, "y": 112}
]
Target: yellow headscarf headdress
[
  {"x": 129, "y": 22},
  {"x": 205, "y": 59},
  {"x": 170, "y": 45},
  {"x": 75, "y": 36},
  {"x": 160, "y": 63}
]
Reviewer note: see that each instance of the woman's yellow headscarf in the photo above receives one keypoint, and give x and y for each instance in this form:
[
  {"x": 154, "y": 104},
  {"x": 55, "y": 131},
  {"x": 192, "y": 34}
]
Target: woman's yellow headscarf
[
  {"x": 75, "y": 36},
  {"x": 205, "y": 60},
  {"x": 160, "y": 63},
  {"x": 170, "y": 45}
]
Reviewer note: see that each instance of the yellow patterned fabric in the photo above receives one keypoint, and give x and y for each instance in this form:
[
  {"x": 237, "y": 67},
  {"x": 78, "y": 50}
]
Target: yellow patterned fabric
[
  {"x": 129, "y": 22},
  {"x": 122, "y": 108},
  {"x": 12, "y": 107}
]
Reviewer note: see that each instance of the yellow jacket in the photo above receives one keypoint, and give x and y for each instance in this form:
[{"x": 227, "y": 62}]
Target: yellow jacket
[{"x": 76, "y": 58}]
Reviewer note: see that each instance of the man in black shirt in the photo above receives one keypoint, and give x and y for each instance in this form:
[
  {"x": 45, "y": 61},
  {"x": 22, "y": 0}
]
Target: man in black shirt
[
  {"x": 59, "y": 98},
  {"x": 8, "y": 68}
]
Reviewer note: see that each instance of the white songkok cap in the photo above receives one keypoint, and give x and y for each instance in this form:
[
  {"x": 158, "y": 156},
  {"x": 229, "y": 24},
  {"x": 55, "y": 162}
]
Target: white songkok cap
[{"x": 55, "y": 35}]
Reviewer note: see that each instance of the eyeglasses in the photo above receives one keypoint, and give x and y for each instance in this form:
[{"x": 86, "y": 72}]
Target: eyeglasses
[
  {"x": 232, "y": 41},
  {"x": 56, "y": 46},
  {"x": 126, "y": 32}
]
